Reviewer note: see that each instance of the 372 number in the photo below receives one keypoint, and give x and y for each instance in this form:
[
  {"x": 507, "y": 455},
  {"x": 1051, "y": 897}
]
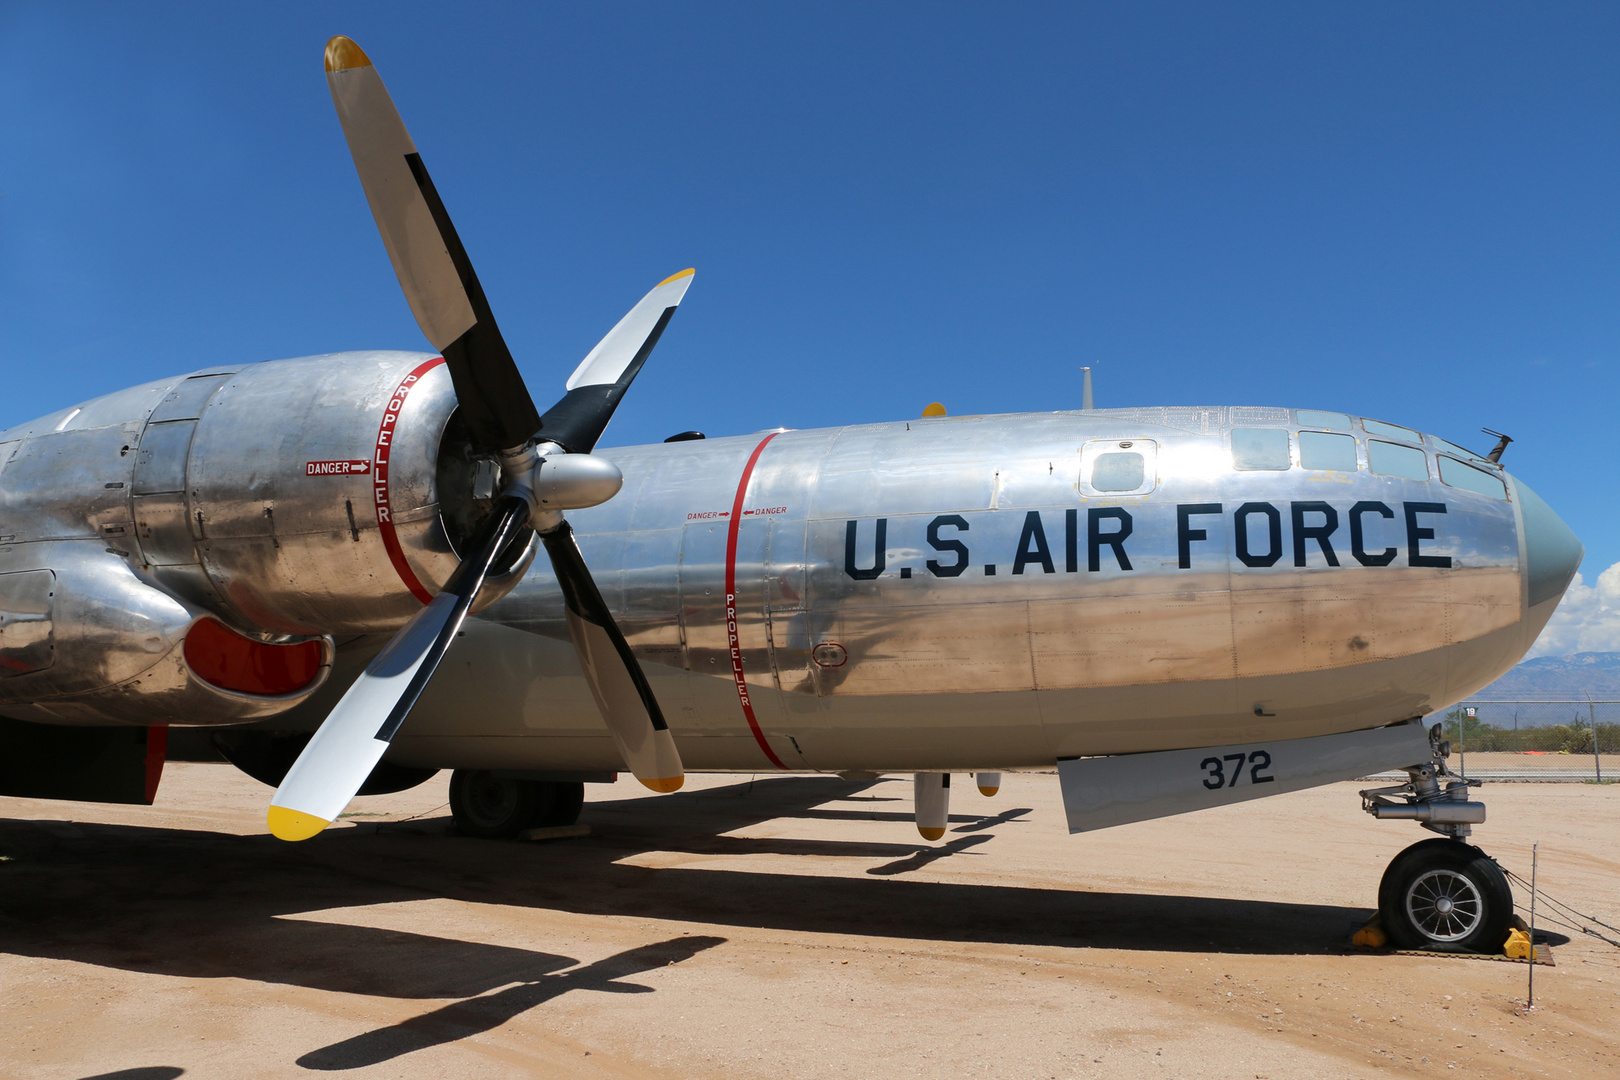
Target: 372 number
[{"x": 1217, "y": 777}]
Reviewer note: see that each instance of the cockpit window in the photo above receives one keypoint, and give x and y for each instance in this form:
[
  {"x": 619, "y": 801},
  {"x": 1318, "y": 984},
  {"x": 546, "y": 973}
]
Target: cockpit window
[
  {"x": 1259, "y": 448},
  {"x": 1376, "y": 427},
  {"x": 1392, "y": 459},
  {"x": 1458, "y": 474},
  {"x": 1335, "y": 421},
  {"x": 1117, "y": 472},
  {"x": 1459, "y": 451},
  {"x": 1321, "y": 450}
]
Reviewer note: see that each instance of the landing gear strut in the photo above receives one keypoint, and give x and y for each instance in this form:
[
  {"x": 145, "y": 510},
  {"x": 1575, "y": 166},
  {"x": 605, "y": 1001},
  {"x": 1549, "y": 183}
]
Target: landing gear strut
[
  {"x": 494, "y": 807},
  {"x": 1442, "y": 894}
]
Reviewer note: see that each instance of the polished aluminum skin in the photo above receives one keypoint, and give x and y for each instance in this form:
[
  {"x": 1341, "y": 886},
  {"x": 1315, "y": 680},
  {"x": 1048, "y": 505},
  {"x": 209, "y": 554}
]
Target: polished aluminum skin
[
  {"x": 250, "y": 494},
  {"x": 996, "y": 624},
  {"x": 89, "y": 641},
  {"x": 946, "y": 593},
  {"x": 294, "y": 549}
]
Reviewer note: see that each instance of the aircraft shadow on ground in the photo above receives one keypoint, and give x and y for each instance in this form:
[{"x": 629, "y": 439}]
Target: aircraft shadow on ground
[
  {"x": 204, "y": 904},
  {"x": 475, "y": 1015},
  {"x": 210, "y": 905}
]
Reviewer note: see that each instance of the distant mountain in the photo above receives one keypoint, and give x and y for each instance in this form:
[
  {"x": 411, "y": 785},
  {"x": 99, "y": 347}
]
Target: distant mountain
[{"x": 1564, "y": 677}]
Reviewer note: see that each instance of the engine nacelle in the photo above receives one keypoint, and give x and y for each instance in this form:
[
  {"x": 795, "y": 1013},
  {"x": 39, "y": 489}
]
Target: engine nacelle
[
  {"x": 89, "y": 641},
  {"x": 323, "y": 495},
  {"x": 184, "y": 551}
]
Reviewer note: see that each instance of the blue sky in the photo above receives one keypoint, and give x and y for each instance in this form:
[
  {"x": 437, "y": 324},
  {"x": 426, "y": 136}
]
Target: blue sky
[{"x": 1402, "y": 211}]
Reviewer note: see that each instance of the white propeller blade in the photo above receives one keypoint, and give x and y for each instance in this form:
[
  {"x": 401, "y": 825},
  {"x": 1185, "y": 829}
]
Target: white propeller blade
[
  {"x": 428, "y": 257},
  {"x": 599, "y": 383},
  {"x": 355, "y": 734},
  {"x": 648, "y": 752},
  {"x": 381, "y": 147},
  {"x": 628, "y": 339},
  {"x": 623, "y": 697},
  {"x": 449, "y": 304},
  {"x": 347, "y": 747}
]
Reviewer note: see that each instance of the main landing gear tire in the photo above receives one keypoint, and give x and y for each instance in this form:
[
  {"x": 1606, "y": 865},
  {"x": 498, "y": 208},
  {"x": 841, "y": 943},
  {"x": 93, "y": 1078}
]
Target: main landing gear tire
[
  {"x": 1445, "y": 896},
  {"x": 493, "y": 807}
]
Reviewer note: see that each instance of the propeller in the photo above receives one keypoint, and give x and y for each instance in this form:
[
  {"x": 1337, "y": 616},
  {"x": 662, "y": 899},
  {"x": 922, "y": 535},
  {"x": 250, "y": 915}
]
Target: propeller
[{"x": 546, "y": 467}]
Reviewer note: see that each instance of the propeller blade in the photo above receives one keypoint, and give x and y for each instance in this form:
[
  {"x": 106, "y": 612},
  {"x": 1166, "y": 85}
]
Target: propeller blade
[
  {"x": 598, "y": 384},
  {"x": 617, "y": 682},
  {"x": 433, "y": 268},
  {"x": 358, "y": 730}
]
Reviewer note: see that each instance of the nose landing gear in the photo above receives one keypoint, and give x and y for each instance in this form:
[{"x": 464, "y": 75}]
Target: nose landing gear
[{"x": 1443, "y": 894}]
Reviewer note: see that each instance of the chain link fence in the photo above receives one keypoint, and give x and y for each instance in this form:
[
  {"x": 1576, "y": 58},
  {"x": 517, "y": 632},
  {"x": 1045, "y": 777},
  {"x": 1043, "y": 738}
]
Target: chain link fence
[{"x": 1535, "y": 739}]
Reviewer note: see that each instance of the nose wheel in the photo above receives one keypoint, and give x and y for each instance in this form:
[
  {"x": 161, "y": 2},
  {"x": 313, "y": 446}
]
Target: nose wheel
[
  {"x": 1445, "y": 896},
  {"x": 1440, "y": 895}
]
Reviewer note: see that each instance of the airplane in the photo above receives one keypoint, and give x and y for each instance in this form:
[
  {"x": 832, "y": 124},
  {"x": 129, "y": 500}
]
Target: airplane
[{"x": 331, "y": 565}]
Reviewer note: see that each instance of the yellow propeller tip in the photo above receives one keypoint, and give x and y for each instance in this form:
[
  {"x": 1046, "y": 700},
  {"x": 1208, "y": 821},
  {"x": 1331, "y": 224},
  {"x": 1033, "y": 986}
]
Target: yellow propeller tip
[
  {"x": 676, "y": 277},
  {"x": 930, "y": 834},
  {"x": 343, "y": 54},
  {"x": 288, "y": 824},
  {"x": 987, "y": 790},
  {"x": 936, "y": 409},
  {"x": 664, "y": 784}
]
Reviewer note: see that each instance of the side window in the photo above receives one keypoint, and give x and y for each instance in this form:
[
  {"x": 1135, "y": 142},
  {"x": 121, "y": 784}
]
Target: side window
[
  {"x": 1259, "y": 448},
  {"x": 1119, "y": 467},
  {"x": 1469, "y": 478},
  {"x": 1393, "y": 459},
  {"x": 1118, "y": 471},
  {"x": 1322, "y": 450}
]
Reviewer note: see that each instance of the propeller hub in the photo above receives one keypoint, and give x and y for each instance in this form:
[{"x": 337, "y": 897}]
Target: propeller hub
[
  {"x": 552, "y": 480},
  {"x": 574, "y": 481}
]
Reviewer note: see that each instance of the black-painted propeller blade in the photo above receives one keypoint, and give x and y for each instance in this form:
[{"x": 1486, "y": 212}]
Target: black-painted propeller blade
[
  {"x": 355, "y": 734},
  {"x": 449, "y": 304},
  {"x": 599, "y": 383},
  {"x": 620, "y": 687},
  {"x": 432, "y": 265}
]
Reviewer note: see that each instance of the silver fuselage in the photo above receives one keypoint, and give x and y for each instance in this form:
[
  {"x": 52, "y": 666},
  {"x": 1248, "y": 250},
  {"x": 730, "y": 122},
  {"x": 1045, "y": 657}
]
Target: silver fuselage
[{"x": 939, "y": 594}]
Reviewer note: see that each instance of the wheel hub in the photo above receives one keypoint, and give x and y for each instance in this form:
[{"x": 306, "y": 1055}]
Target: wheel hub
[
  {"x": 1444, "y": 905},
  {"x": 491, "y": 799}
]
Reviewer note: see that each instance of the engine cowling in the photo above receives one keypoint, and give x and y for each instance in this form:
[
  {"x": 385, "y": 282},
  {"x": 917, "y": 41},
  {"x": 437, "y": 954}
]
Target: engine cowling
[
  {"x": 323, "y": 495},
  {"x": 185, "y": 551}
]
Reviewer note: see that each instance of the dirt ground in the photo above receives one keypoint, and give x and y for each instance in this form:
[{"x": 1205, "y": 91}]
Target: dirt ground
[{"x": 786, "y": 927}]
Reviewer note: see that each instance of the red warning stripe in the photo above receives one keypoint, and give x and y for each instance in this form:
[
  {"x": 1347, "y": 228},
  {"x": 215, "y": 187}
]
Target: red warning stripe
[
  {"x": 379, "y": 479},
  {"x": 731, "y": 602}
]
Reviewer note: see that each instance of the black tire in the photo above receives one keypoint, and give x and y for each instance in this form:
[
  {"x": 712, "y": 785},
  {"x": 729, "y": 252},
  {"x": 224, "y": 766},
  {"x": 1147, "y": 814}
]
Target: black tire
[
  {"x": 1445, "y": 896},
  {"x": 559, "y": 803},
  {"x": 491, "y": 807}
]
